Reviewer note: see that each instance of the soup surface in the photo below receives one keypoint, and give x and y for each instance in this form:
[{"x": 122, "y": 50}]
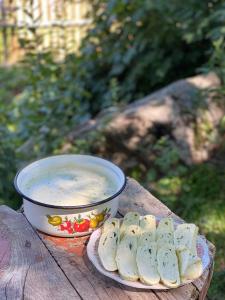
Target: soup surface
[{"x": 71, "y": 185}]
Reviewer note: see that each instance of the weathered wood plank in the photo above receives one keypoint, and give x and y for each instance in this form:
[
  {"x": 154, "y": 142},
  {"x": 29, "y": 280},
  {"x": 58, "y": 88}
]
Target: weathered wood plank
[
  {"x": 27, "y": 270},
  {"x": 136, "y": 198},
  {"x": 203, "y": 282},
  {"x": 186, "y": 292},
  {"x": 90, "y": 284}
]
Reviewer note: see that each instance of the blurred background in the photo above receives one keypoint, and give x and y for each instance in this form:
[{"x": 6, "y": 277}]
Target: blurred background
[{"x": 139, "y": 82}]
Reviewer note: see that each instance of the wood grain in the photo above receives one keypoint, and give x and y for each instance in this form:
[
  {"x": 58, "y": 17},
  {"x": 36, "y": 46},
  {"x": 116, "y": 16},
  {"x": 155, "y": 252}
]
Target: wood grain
[
  {"x": 136, "y": 198},
  {"x": 87, "y": 281},
  {"x": 27, "y": 270}
]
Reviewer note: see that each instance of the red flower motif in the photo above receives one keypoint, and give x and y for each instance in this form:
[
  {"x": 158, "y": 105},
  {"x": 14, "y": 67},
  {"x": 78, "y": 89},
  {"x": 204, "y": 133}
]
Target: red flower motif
[{"x": 66, "y": 226}]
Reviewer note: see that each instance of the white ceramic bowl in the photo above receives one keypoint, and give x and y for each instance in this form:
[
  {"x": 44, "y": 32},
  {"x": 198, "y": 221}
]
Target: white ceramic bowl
[{"x": 66, "y": 220}]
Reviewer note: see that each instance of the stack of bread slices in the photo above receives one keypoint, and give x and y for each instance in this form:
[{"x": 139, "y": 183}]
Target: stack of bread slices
[{"x": 139, "y": 249}]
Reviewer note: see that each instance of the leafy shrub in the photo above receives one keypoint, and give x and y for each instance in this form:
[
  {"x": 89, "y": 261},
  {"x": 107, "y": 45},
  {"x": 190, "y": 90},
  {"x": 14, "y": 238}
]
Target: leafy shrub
[
  {"x": 51, "y": 104},
  {"x": 7, "y": 170},
  {"x": 12, "y": 82},
  {"x": 141, "y": 45}
]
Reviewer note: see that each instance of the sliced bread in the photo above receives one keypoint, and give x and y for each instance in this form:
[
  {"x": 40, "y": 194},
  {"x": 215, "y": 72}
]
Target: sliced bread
[
  {"x": 185, "y": 236},
  {"x": 126, "y": 254},
  {"x": 165, "y": 232},
  {"x": 111, "y": 224},
  {"x": 131, "y": 218},
  {"x": 183, "y": 260},
  {"x": 148, "y": 223},
  {"x": 148, "y": 229},
  {"x": 168, "y": 266},
  {"x": 147, "y": 263},
  {"x": 190, "y": 265},
  {"x": 146, "y": 237},
  {"x": 107, "y": 248},
  {"x": 194, "y": 270}
]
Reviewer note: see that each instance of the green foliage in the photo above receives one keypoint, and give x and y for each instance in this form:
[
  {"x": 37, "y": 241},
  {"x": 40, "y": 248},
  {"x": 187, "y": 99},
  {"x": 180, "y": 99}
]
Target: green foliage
[
  {"x": 12, "y": 81},
  {"x": 217, "y": 287},
  {"x": 166, "y": 155},
  {"x": 51, "y": 104},
  {"x": 216, "y": 34},
  {"x": 138, "y": 45},
  {"x": 7, "y": 170}
]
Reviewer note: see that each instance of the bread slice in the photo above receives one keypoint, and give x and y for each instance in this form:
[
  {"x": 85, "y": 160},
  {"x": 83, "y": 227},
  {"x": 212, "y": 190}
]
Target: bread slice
[
  {"x": 147, "y": 263},
  {"x": 111, "y": 224},
  {"x": 148, "y": 223},
  {"x": 190, "y": 265},
  {"x": 132, "y": 231},
  {"x": 165, "y": 232},
  {"x": 168, "y": 266},
  {"x": 146, "y": 237},
  {"x": 185, "y": 236},
  {"x": 165, "y": 224},
  {"x": 183, "y": 260},
  {"x": 195, "y": 269},
  {"x": 126, "y": 254},
  {"x": 131, "y": 218},
  {"x": 148, "y": 229},
  {"x": 107, "y": 248}
]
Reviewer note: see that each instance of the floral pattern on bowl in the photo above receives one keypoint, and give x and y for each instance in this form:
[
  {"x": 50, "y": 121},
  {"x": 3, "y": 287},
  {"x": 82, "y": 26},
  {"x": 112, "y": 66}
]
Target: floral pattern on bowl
[{"x": 84, "y": 224}]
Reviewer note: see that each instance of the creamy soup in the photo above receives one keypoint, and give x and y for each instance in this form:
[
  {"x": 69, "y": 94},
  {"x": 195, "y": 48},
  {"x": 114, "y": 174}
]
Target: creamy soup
[{"x": 71, "y": 186}]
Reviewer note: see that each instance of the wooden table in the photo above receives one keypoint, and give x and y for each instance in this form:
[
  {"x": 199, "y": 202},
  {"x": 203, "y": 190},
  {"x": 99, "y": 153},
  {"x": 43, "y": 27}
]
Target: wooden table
[{"x": 37, "y": 266}]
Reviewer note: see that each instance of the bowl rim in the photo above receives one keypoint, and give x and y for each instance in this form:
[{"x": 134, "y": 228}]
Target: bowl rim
[{"x": 69, "y": 206}]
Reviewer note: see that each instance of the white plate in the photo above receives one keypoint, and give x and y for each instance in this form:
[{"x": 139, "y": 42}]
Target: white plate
[{"x": 202, "y": 250}]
